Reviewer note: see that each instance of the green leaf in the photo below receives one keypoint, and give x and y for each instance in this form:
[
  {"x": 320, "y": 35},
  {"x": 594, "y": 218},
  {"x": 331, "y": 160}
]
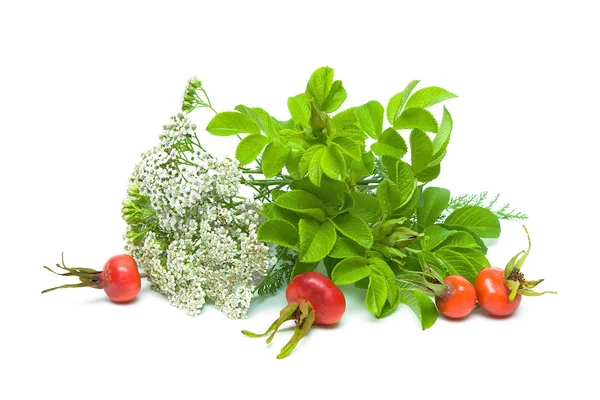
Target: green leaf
[
  {"x": 421, "y": 150},
  {"x": 475, "y": 257},
  {"x": 279, "y": 232},
  {"x": 388, "y": 307},
  {"x": 300, "y": 268},
  {"x": 293, "y": 164},
  {"x": 231, "y": 123},
  {"x": 397, "y": 102},
  {"x": 348, "y": 146},
  {"x": 370, "y": 118},
  {"x": 307, "y": 158},
  {"x": 428, "y": 260},
  {"x": 355, "y": 134},
  {"x": 365, "y": 165},
  {"x": 390, "y": 143},
  {"x": 390, "y": 164},
  {"x": 319, "y": 85},
  {"x": 381, "y": 267},
  {"x": 249, "y": 148},
  {"x": 332, "y": 163},
  {"x": 350, "y": 270},
  {"x": 477, "y": 219},
  {"x": 315, "y": 170},
  {"x": 302, "y": 202},
  {"x": 457, "y": 264},
  {"x": 299, "y": 109},
  {"x": 460, "y": 239},
  {"x": 366, "y": 207},
  {"x": 442, "y": 138},
  {"x": 332, "y": 193},
  {"x": 416, "y": 118},
  {"x": 265, "y": 122},
  {"x": 428, "y": 96},
  {"x": 274, "y": 158},
  {"x": 343, "y": 119},
  {"x": 409, "y": 208},
  {"x": 273, "y": 211},
  {"x": 337, "y": 95},
  {"x": 429, "y": 173},
  {"x": 344, "y": 248},
  {"x": 316, "y": 241},
  {"x": 389, "y": 196},
  {"x": 355, "y": 229},
  {"x": 376, "y": 294},
  {"x": 422, "y": 306},
  {"x": 406, "y": 182},
  {"x": 435, "y": 201},
  {"x": 434, "y": 236},
  {"x": 482, "y": 247},
  {"x": 289, "y": 124}
]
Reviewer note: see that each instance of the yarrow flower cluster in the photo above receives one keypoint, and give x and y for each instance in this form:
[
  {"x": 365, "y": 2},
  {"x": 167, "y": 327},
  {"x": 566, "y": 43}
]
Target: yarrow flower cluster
[{"x": 186, "y": 230}]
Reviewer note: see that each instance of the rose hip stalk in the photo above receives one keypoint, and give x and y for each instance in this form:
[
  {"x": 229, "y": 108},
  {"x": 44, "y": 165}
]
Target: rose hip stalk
[
  {"x": 312, "y": 299},
  {"x": 119, "y": 278}
]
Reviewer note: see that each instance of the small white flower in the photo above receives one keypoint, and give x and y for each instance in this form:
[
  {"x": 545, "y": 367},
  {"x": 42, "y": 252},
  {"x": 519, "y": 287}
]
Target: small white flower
[{"x": 198, "y": 246}]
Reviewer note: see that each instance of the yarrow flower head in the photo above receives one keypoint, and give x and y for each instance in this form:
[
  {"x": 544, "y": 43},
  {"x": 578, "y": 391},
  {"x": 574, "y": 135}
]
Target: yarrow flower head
[{"x": 185, "y": 228}]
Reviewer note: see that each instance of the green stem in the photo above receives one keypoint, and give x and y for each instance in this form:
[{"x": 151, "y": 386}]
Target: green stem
[
  {"x": 367, "y": 181},
  {"x": 269, "y": 182}
]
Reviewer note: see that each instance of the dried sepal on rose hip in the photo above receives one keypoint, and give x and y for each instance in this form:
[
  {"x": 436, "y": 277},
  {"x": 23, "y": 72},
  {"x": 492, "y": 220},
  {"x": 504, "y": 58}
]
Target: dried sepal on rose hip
[
  {"x": 499, "y": 291},
  {"x": 120, "y": 278},
  {"x": 312, "y": 299}
]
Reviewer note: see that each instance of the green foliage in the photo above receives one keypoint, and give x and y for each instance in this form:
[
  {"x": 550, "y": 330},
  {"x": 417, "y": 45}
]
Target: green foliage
[
  {"x": 435, "y": 201},
  {"x": 316, "y": 240},
  {"x": 279, "y": 232},
  {"x": 477, "y": 219},
  {"x": 416, "y": 118},
  {"x": 422, "y": 306},
  {"x": 303, "y": 203},
  {"x": 390, "y": 143},
  {"x": 370, "y": 118},
  {"x": 504, "y": 211},
  {"x": 376, "y": 294},
  {"x": 350, "y": 270},
  {"x": 354, "y": 228},
  {"x": 299, "y": 109},
  {"x": 397, "y": 102},
  {"x": 428, "y": 96},
  {"x": 232, "y": 123},
  {"x": 274, "y": 158},
  {"x": 421, "y": 151},
  {"x": 250, "y": 147},
  {"x": 367, "y": 212}
]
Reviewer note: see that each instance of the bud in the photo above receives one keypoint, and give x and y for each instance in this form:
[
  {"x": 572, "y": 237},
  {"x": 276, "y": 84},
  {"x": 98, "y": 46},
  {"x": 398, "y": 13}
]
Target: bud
[
  {"x": 318, "y": 119},
  {"x": 194, "y": 83},
  {"x": 404, "y": 236},
  {"x": 387, "y": 227}
]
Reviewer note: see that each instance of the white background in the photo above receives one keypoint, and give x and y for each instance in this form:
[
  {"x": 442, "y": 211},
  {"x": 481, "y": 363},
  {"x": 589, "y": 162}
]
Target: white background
[{"x": 85, "y": 87}]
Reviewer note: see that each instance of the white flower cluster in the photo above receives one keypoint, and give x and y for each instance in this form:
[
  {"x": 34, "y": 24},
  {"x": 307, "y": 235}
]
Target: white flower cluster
[{"x": 201, "y": 244}]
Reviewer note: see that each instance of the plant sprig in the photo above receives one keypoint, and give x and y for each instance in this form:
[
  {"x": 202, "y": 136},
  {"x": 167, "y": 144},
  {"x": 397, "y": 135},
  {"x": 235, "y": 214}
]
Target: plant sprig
[
  {"x": 365, "y": 209},
  {"x": 504, "y": 211}
]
